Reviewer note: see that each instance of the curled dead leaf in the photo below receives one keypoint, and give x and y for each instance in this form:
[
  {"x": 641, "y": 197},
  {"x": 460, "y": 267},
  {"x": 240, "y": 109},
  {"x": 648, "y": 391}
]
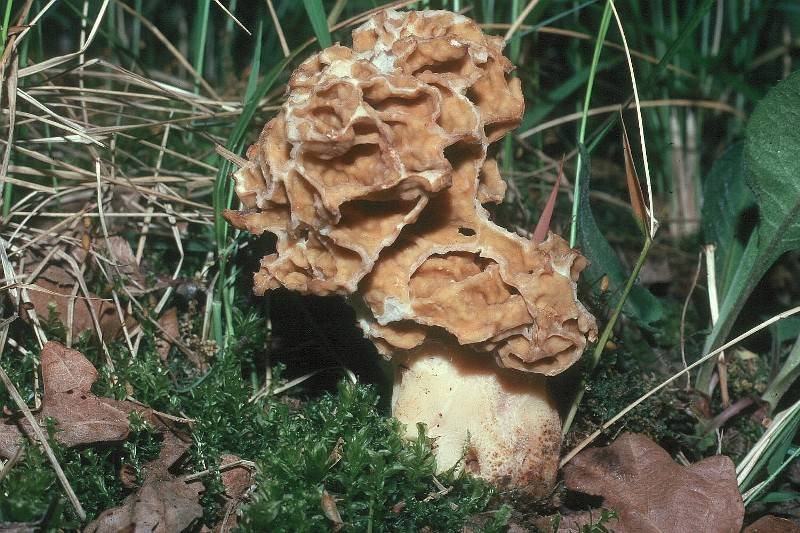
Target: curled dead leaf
[
  {"x": 82, "y": 417},
  {"x": 651, "y": 493},
  {"x": 331, "y": 511},
  {"x": 164, "y": 503},
  {"x": 169, "y": 323}
]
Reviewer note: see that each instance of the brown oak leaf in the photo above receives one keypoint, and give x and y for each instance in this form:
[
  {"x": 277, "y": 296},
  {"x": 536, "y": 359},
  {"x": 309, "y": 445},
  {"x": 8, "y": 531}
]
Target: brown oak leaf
[
  {"x": 772, "y": 524},
  {"x": 81, "y": 416},
  {"x": 162, "y": 505},
  {"x": 651, "y": 493}
]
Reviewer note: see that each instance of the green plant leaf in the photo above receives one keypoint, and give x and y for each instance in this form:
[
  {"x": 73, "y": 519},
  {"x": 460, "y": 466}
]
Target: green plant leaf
[
  {"x": 772, "y": 166},
  {"x": 725, "y": 196},
  {"x": 784, "y": 380},
  {"x": 316, "y": 13},
  {"x": 641, "y": 305},
  {"x": 778, "y": 497}
]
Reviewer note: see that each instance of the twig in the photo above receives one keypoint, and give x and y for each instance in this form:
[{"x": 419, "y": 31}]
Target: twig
[
  {"x": 233, "y": 464},
  {"x": 520, "y": 19}
]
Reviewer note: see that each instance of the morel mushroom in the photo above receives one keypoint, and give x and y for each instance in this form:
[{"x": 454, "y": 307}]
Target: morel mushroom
[{"x": 372, "y": 177}]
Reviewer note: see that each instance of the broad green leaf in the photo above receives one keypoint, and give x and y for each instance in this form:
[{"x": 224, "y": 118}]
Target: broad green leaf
[
  {"x": 785, "y": 330},
  {"x": 772, "y": 156},
  {"x": 772, "y": 166},
  {"x": 641, "y": 305},
  {"x": 316, "y": 13},
  {"x": 725, "y": 197}
]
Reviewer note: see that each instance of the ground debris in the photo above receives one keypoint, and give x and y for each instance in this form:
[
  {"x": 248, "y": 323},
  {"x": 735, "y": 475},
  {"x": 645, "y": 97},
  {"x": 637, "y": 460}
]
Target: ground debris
[
  {"x": 169, "y": 325},
  {"x": 237, "y": 481},
  {"x": 11, "y": 438},
  {"x": 772, "y": 524},
  {"x": 163, "y": 504},
  {"x": 331, "y": 510},
  {"x": 651, "y": 493},
  {"x": 53, "y": 292},
  {"x": 81, "y": 417}
]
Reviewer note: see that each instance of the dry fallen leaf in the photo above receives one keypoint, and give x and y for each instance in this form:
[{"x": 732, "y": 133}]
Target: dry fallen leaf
[
  {"x": 172, "y": 449},
  {"x": 10, "y": 438},
  {"x": 55, "y": 288},
  {"x": 237, "y": 481},
  {"x": 652, "y": 493},
  {"x": 331, "y": 511},
  {"x": 169, "y": 323},
  {"x": 164, "y": 502},
  {"x": 772, "y": 524},
  {"x": 81, "y": 416},
  {"x": 159, "y": 506}
]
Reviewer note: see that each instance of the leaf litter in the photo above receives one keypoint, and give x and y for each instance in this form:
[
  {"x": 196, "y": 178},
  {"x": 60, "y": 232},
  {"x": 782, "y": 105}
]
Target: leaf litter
[
  {"x": 164, "y": 501},
  {"x": 652, "y": 493}
]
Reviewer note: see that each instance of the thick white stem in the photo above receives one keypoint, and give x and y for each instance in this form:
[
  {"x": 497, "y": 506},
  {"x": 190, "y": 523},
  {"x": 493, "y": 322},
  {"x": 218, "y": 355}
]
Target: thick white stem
[{"x": 497, "y": 424}]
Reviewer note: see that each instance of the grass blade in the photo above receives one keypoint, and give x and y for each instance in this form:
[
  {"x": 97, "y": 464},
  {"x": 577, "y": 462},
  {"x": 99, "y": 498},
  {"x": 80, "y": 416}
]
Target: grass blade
[
  {"x": 316, "y": 13},
  {"x": 598, "y": 46}
]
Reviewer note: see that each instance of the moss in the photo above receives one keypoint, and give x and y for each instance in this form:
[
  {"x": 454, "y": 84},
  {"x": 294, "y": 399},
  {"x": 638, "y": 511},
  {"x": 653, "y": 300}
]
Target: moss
[
  {"x": 380, "y": 480},
  {"x": 31, "y": 485},
  {"x": 618, "y": 381}
]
